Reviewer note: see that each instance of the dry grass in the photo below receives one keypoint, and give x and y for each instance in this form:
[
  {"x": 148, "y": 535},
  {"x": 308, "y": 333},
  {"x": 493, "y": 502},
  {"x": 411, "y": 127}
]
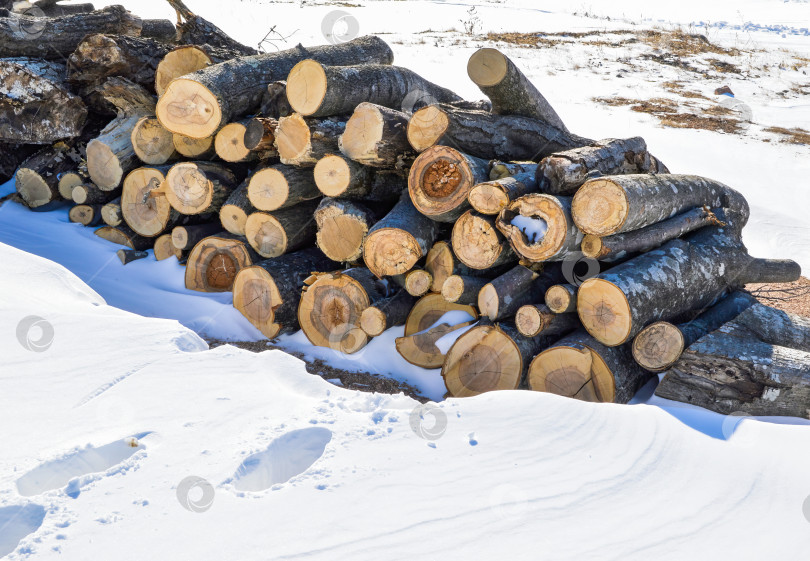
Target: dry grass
[
  {"x": 678, "y": 88},
  {"x": 680, "y": 43},
  {"x": 715, "y": 118},
  {"x": 791, "y": 136}
]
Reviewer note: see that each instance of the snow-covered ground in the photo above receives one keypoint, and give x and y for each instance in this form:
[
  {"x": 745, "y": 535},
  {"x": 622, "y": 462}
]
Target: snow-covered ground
[{"x": 107, "y": 411}]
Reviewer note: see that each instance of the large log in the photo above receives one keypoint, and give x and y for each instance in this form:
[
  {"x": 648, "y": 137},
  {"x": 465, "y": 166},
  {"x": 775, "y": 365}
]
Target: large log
[
  {"x": 342, "y": 228},
  {"x": 478, "y": 244},
  {"x": 199, "y": 187},
  {"x": 441, "y": 179},
  {"x": 35, "y": 104},
  {"x": 490, "y": 197},
  {"x": 659, "y": 345},
  {"x": 621, "y": 246},
  {"x": 159, "y": 29},
  {"x": 11, "y": 156},
  {"x": 54, "y": 9},
  {"x": 37, "y": 179},
  {"x": 198, "y": 104},
  {"x": 153, "y": 144},
  {"x": 503, "y": 296},
  {"x": 399, "y": 240},
  {"x": 147, "y": 215},
  {"x": 187, "y": 59},
  {"x": 316, "y": 90},
  {"x": 111, "y": 155},
  {"x": 682, "y": 275},
  {"x": 100, "y": 56},
  {"x": 377, "y": 136},
  {"x": 195, "y": 30},
  {"x": 56, "y": 38},
  {"x": 268, "y": 293},
  {"x": 563, "y": 173},
  {"x": 233, "y": 214},
  {"x": 215, "y": 261},
  {"x": 754, "y": 365},
  {"x": 486, "y": 135},
  {"x": 331, "y": 306},
  {"x": 280, "y": 186},
  {"x": 386, "y": 313},
  {"x": 540, "y": 227},
  {"x": 302, "y": 142},
  {"x": 581, "y": 367},
  {"x": 338, "y": 176},
  {"x": 282, "y": 231},
  {"x": 508, "y": 88},
  {"x": 622, "y": 203}
]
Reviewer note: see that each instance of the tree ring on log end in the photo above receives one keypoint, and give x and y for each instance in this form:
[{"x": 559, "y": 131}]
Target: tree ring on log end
[
  {"x": 179, "y": 62},
  {"x": 189, "y": 190},
  {"x": 306, "y": 86},
  {"x": 192, "y": 147},
  {"x": 340, "y": 237},
  {"x": 440, "y": 180},
  {"x": 429, "y": 309},
  {"x": 658, "y": 346},
  {"x": 558, "y": 299},
  {"x": 453, "y": 288},
  {"x": 364, "y": 130},
  {"x": 591, "y": 246},
  {"x": 229, "y": 143},
  {"x": 575, "y": 372},
  {"x": 292, "y": 137},
  {"x": 372, "y": 321},
  {"x": 604, "y": 311},
  {"x": 426, "y": 127},
  {"x": 330, "y": 310},
  {"x": 488, "y": 198},
  {"x": 189, "y": 108},
  {"x": 256, "y": 296},
  {"x": 600, "y": 207},
  {"x": 108, "y": 173},
  {"x": 440, "y": 263},
  {"x": 221, "y": 271},
  {"x": 214, "y": 263},
  {"x": 266, "y": 235},
  {"x": 233, "y": 219},
  {"x": 32, "y": 188},
  {"x": 529, "y": 321},
  {"x": 476, "y": 242},
  {"x": 332, "y": 175},
  {"x": 535, "y": 206},
  {"x": 483, "y": 359},
  {"x": 391, "y": 251},
  {"x": 147, "y": 216},
  {"x": 152, "y": 143},
  {"x": 487, "y": 67},
  {"x": 418, "y": 282},
  {"x": 268, "y": 189}
]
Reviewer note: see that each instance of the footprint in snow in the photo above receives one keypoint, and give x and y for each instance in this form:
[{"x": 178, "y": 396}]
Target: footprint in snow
[
  {"x": 16, "y": 522},
  {"x": 64, "y": 471},
  {"x": 287, "y": 456}
]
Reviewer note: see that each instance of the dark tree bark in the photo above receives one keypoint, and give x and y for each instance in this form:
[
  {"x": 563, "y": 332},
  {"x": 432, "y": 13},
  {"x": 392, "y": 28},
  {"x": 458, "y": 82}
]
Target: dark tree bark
[
  {"x": 160, "y": 29},
  {"x": 490, "y": 197},
  {"x": 280, "y": 186},
  {"x": 386, "y": 313},
  {"x": 282, "y": 231},
  {"x": 463, "y": 289},
  {"x": 38, "y": 176},
  {"x": 233, "y": 214},
  {"x": 260, "y": 134},
  {"x": 275, "y": 104},
  {"x": 503, "y": 296},
  {"x": 302, "y": 142},
  {"x": 185, "y": 238},
  {"x": 187, "y": 59},
  {"x": 127, "y": 256},
  {"x": 377, "y": 136},
  {"x": 123, "y": 235}
]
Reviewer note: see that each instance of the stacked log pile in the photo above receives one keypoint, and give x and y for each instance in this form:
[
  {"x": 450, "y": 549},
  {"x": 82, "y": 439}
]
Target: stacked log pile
[{"x": 309, "y": 184}]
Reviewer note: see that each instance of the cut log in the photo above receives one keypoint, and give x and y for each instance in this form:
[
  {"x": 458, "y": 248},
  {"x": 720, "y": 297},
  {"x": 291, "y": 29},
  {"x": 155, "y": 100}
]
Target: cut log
[
  {"x": 185, "y": 238},
  {"x": 215, "y": 261},
  {"x": 441, "y": 179},
  {"x": 57, "y": 38},
  {"x": 282, "y": 231},
  {"x": 268, "y": 293},
  {"x": 124, "y": 235},
  {"x": 89, "y": 194},
  {"x": 153, "y": 144},
  {"x": 316, "y": 90},
  {"x": 302, "y": 142},
  {"x": 199, "y": 187},
  {"x": 386, "y": 313},
  {"x": 331, "y": 306},
  {"x": 478, "y": 243},
  {"x": 489, "y": 136},
  {"x": 194, "y": 148},
  {"x": 682, "y": 275},
  {"x": 399, "y": 240},
  {"x": 164, "y": 248},
  {"x": 621, "y": 246},
  {"x": 280, "y": 186},
  {"x": 37, "y": 179},
  {"x": 504, "y": 295},
  {"x": 493, "y": 196},
  {"x": 540, "y": 227},
  {"x": 86, "y": 215},
  {"x": 144, "y": 207},
  {"x": 233, "y": 214},
  {"x": 159, "y": 29},
  {"x": 377, "y": 136},
  {"x": 562, "y": 298},
  {"x": 338, "y": 176},
  {"x": 111, "y": 213},
  {"x": 659, "y": 345},
  {"x": 274, "y": 101},
  {"x": 532, "y": 319},
  {"x": 200, "y": 103},
  {"x": 581, "y": 367},
  {"x": 194, "y": 30},
  {"x": 508, "y": 88},
  {"x": 35, "y": 104},
  {"x": 260, "y": 134},
  {"x": 622, "y": 203},
  {"x": 737, "y": 368},
  {"x": 100, "y": 56},
  {"x": 127, "y": 256},
  {"x": 71, "y": 179},
  {"x": 463, "y": 289},
  {"x": 441, "y": 264},
  {"x": 489, "y": 358},
  {"x": 111, "y": 155},
  {"x": 187, "y": 59},
  {"x": 53, "y": 9},
  {"x": 499, "y": 170},
  {"x": 565, "y": 172},
  {"x": 229, "y": 144},
  {"x": 420, "y": 348},
  {"x": 417, "y": 282},
  {"x": 342, "y": 228}
]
